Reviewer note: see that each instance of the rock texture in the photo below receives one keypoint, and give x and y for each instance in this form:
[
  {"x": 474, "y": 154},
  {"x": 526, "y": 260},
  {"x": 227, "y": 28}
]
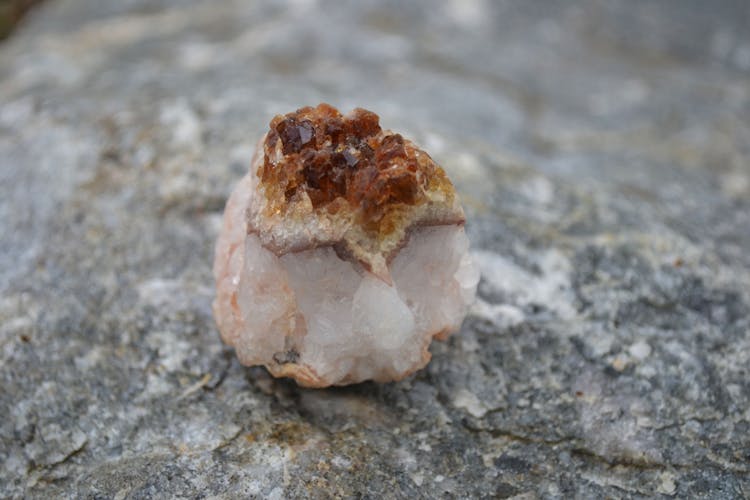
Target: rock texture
[{"x": 601, "y": 152}]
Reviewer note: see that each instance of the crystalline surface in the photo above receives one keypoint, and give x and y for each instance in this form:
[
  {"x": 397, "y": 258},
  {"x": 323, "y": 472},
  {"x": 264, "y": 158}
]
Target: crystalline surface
[{"x": 332, "y": 280}]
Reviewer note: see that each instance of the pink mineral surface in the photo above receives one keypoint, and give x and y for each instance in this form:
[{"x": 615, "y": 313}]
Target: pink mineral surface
[{"x": 342, "y": 253}]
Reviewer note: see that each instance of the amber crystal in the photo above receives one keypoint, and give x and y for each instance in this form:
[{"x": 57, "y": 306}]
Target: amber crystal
[{"x": 327, "y": 156}]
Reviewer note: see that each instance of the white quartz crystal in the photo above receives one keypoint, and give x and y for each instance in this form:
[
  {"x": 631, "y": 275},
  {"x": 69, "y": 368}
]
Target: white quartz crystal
[{"x": 326, "y": 321}]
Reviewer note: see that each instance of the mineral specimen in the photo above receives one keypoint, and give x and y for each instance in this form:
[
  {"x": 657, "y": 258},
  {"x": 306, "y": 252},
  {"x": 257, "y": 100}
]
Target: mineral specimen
[{"x": 342, "y": 253}]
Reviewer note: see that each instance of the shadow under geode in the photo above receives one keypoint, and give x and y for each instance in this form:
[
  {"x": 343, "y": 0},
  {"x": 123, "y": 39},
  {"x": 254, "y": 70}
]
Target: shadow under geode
[{"x": 333, "y": 409}]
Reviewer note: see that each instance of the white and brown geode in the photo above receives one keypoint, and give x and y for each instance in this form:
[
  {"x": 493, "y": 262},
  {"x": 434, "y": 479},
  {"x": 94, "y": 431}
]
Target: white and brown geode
[{"x": 342, "y": 253}]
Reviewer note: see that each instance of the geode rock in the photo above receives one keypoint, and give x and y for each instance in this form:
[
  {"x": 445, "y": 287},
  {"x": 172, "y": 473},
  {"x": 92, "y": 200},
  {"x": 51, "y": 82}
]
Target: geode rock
[{"x": 342, "y": 253}]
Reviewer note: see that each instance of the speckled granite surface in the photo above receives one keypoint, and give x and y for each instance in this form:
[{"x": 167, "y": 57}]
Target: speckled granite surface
[{"x": 603, "y": 154}]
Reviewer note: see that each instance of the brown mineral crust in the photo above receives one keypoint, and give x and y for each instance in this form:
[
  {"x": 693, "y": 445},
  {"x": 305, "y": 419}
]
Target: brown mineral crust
[{"x": 346, "y": 163}]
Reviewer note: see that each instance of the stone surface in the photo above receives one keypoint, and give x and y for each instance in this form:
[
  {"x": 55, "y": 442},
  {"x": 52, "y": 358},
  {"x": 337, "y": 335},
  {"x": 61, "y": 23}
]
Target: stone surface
[{"x": 601, "y": 150}]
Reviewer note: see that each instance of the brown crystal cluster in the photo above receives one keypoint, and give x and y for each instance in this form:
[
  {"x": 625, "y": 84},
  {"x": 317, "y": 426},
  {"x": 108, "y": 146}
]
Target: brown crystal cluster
[{"x": 344, "y": 161}]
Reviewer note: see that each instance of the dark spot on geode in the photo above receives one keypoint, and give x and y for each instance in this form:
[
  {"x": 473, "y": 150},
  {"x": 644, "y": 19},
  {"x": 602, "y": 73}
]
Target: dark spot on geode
[
  {"x": 295, "y": 134},
  {"x": 286, "y": 357}
]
